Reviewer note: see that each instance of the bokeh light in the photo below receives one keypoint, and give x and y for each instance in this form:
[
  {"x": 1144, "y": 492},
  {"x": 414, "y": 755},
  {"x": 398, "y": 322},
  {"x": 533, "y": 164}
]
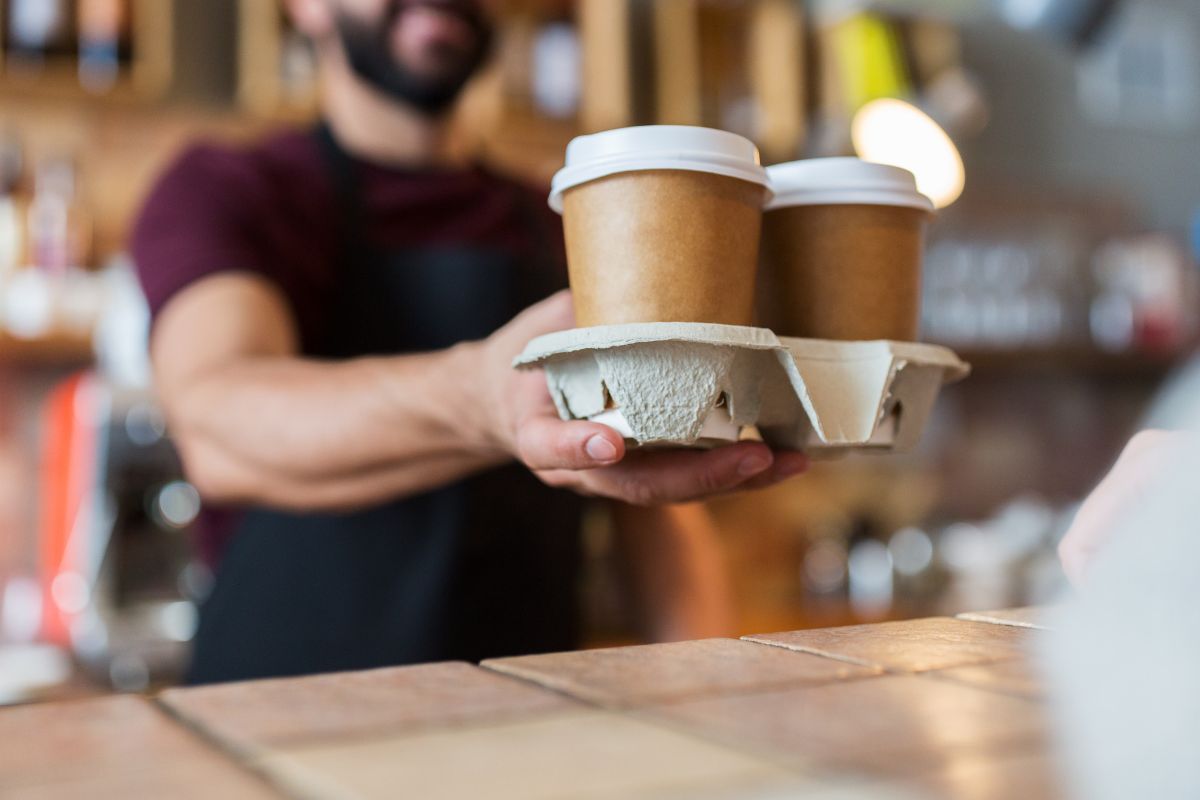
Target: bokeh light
[{"x": 894, "y": 132}]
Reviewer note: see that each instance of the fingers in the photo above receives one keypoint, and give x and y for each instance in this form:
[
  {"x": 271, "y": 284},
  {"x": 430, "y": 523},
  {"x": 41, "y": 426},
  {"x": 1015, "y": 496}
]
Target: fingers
[
  {"x": 787, "y": 464},
  {"x": 647, "y": 478},
  {"x": 545, "y": 442},
  {"x": 555, "y": 313},
  {"x": 670, "y": 476}
]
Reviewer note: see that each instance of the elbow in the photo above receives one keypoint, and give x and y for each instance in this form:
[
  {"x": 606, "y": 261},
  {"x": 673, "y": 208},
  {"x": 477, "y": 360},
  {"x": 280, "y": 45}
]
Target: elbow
[
  {"x": 216, "y": 476},
  {"x": 223, "y": 479},
  {"x": 219, "y": 474}
]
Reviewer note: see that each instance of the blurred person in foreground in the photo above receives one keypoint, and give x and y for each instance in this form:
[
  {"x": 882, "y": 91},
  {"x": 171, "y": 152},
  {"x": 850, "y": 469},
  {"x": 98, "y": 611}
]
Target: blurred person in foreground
[
  {"x": 336, "y": 312},
  {"x": 1146, "y": 461},
  {"x": 1121, "y": 657}
]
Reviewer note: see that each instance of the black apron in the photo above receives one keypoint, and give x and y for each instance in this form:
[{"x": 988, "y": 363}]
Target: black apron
[{"x": 484, "y": 567}]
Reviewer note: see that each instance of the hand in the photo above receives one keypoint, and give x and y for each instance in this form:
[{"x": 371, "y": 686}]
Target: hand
[
  {"x": 1139, "y": 468},
  {"x": 591, "y": 458}
]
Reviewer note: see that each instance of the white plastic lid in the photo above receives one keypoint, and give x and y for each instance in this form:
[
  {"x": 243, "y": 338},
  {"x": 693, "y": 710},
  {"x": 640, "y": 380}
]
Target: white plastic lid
[
  {"x": 844, "y": 181},
  {"x": 648, "y": 147}
]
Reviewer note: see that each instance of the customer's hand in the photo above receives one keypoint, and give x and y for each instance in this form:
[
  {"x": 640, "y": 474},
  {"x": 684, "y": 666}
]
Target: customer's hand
[
  {"x": 1140, "y": 467},
  {"x": 591, "y": 458}
]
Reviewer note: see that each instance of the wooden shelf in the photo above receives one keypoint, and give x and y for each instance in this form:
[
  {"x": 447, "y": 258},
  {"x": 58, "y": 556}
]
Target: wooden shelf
[
  {"x": 1073, "y": 360},
  {"x": 262, "y": 31},
  {"x": 58, "y": 80},
  {"x": 145, "y": 78},
  {"x": 55, "y": 350}
]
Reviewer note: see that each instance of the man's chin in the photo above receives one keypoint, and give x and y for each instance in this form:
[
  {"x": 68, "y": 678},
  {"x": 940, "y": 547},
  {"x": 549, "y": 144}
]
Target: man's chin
[
  {"x": 440, "y": 67},
  {"x": 412, "y": 64}
]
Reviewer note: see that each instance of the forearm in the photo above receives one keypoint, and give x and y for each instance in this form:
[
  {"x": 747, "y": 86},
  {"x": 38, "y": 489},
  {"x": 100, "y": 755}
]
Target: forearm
[
  {"x": 236, "y": 481},
  {"x": 256, "y": 423},
  {"x": 298, "y": 432},
  {"x": 677, "y": 571}
]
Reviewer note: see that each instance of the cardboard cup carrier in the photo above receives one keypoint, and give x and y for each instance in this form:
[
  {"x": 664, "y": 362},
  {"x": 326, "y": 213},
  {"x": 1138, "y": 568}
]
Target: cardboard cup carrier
[
  {"x": 843, "y": 242},
  {"x": 662, "y": 224}
]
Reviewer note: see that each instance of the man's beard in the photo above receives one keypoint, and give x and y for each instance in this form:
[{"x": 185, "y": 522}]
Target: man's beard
[{"x": 368, "y": 50}]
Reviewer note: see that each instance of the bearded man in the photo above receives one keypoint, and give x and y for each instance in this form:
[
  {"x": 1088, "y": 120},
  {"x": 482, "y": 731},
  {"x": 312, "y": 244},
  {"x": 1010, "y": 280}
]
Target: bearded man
[{"x": 336, "y": 311}]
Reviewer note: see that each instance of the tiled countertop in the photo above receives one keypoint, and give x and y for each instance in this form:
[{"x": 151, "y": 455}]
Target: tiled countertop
[{"x": 941, "y": 707}]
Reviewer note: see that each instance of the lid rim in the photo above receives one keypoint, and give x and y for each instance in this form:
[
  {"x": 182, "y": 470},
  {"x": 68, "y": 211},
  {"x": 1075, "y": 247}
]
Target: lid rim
[
  {"x": 588, "y": 173},
  {"x": 690, "y": 148},
  {"x": 845, "y": 181},
  {"x": 871, "y": 197}
]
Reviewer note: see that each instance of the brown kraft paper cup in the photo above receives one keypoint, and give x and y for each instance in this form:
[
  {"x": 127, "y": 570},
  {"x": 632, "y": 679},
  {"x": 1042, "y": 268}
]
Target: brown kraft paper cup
[
  {"x": 663, "y": 246},
  {"x": 848, "y": 272}
]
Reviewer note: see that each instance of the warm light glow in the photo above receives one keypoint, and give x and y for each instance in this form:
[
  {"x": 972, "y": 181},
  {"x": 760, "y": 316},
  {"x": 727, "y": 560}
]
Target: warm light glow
[{"x": 898, "y": 133}]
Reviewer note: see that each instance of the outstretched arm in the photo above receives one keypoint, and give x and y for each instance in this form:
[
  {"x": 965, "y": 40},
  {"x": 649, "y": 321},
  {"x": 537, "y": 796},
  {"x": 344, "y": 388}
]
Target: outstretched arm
[{"x": 256, "y": 422}]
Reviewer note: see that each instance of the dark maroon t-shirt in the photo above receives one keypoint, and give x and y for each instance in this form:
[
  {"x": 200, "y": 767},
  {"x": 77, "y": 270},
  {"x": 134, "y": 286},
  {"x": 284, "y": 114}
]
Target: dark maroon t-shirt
[{"x": 272, "y": 209}]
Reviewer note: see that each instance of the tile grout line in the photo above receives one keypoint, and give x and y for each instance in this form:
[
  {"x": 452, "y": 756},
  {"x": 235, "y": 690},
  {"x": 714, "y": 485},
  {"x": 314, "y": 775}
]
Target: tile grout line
[
  {"x": 644, "y": 716},
  {"x": 1008, "y": 623},
  {"x": 560, "y": 691},
  {"x": 242, "y": 757},
  {"x": 249, "y": 754},
  {"x": 933, "y": 676},
  {"x": 860, "y": 662},
  {"x": 635, "y": 704}
]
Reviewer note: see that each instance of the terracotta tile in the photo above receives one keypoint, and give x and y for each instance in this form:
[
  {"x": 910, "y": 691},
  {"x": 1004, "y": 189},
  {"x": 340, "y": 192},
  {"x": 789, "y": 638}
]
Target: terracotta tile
[
  {"x": 194, "y": 779},
  {"x": 832, "y": 788},
  {"x": 257, "y": 714},
  {"x": 627, "y": 676},
  {"x": 1028, "y": 776},
  {"x": 892, "y": 725},
  {"x": 1029, "y": 617},
  {"x": 910, "y": 645},
  {"x": 109, "y": 748},
  {"x": 582, "y": 754},
  {"x": 1018, "y": 677}
]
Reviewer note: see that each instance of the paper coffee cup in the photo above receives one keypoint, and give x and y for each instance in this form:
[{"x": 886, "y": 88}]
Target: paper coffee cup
[
  {"x": 843, "y": 242},
  {"x": 662, "y": 224}
]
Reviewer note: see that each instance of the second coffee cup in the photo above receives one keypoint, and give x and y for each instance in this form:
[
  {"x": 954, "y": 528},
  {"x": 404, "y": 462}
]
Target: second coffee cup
[
  {"x": 662, "y": 224},
  {"x": 843, "y": 242}
]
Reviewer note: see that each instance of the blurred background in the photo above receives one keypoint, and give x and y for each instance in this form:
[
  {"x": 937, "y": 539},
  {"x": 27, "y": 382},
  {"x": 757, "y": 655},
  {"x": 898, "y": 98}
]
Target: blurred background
[{"x": 1058, "y": 137}]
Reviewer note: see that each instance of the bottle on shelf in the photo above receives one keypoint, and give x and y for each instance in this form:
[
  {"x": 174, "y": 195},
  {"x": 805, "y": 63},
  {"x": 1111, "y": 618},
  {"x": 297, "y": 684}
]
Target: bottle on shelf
[
  {"x": 37, "y": 29},
  {"x": 103, "y": 27},
  {"x": 298, "y": 77},
  {"x": 59, "y": 228},
  {"x": 11, "y": 213}
]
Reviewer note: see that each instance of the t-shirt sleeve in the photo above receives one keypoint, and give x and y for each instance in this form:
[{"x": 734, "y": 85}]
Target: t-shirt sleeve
[{"x": 198, "y": 221}]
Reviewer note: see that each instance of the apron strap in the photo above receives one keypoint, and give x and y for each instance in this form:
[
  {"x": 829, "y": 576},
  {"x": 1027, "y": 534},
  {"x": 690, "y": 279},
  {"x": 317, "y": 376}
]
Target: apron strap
[{"x": 347, "y": 189}]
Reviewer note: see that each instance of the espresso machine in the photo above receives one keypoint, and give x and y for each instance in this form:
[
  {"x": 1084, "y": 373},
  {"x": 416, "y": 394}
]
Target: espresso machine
[{"x": 120, "y": 586}]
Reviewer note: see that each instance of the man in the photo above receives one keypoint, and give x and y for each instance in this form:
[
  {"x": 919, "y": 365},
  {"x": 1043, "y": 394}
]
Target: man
[{"x": 332, "y": 346}]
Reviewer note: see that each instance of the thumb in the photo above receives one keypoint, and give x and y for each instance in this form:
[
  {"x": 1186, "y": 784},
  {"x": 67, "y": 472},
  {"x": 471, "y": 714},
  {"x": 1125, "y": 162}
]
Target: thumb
[{"x": 555, "y": 313}]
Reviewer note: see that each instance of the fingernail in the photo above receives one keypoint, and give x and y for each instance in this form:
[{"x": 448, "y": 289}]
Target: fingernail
[
  {"x": 601, "y": 449},
  {"x": 752, "y": 465}
]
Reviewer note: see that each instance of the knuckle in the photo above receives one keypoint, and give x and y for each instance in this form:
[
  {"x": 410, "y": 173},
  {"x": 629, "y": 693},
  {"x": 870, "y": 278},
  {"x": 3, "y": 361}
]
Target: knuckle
[
  {"x": 710, "y": 481},
  {"x": 640, "y": 492},
  {"x": 553, "y": 479},
  {"x": 525, "y": 452},
  {"x": 530, "y": 447},
  {"x": 567, "y": 451}
]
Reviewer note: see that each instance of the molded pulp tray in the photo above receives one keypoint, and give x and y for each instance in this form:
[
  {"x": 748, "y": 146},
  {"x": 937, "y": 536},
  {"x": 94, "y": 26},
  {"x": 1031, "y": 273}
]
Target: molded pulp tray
[{"x": 695, "y": 384}]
